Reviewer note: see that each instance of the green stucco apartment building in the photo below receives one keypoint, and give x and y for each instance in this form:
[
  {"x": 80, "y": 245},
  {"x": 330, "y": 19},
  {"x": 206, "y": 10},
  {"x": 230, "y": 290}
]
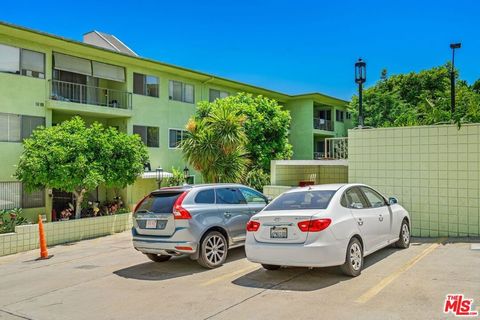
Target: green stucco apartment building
[{"x": 46, "y": 79}]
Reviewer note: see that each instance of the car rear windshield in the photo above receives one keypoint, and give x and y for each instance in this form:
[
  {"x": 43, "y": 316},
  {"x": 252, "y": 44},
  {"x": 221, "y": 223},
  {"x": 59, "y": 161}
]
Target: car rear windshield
[
  {"x": 159, "y": 203},
  {"x": 302, "y": 200}
]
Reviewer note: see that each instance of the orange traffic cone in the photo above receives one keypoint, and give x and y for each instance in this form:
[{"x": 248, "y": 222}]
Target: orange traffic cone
[{"x": 43, "y": 240}]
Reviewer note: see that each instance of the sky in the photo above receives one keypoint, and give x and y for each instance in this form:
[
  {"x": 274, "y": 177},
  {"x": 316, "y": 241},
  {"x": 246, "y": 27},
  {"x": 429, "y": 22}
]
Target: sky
[{"x": 289, "y": 46}]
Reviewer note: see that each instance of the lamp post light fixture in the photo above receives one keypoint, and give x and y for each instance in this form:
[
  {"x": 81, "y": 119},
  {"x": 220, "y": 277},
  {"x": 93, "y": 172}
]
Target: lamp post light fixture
[
  {"x": 159, "y": 176},
  {"x": 360, "y": 78},
  {"x": 186, "y": 174},
  {"x": 453, "y": 46}
]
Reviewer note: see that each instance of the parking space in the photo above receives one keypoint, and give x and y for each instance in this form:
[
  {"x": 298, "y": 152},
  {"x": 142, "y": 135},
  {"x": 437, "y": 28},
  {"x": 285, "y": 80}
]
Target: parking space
[{"x": 106, "y": 278}]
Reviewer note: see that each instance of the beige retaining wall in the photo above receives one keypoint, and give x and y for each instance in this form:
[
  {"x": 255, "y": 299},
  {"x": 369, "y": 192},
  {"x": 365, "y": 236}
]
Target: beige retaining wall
[
  {"x": 291, "y": 172},
  {"x": 434, "y": 171},
  {"x": 26, "y": 237}
]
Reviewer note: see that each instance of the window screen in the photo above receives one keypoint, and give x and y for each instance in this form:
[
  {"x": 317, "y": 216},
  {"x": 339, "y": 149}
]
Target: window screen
[
  {"x": 149, "y": 135},
  {"x": 145, "y": 85},
  {"x": 29, "y": 124},
  {"x": 9, "y": 59},
  {"x": 33, "y": 64},
  {"x": 176, "y": 137},
  {"x": 151, "y": 86},
  {"x": 10, "y": 195},
  {"x": 10, "y": 125},
  {"x": 180, "y": 91},
  {"x": 138, "y": 83}
]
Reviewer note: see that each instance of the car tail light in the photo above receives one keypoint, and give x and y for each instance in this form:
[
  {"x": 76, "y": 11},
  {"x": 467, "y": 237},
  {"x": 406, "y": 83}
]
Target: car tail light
[
  {"x": 315, "y": 225},
  {"x": 139, "y": 203},
  {"x": 180, "y": 212},
  {"x": 253, "y": 226}
]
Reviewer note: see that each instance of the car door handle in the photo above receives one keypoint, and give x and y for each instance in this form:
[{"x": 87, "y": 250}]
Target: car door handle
[
  {"x": 380, "y": 218},
  {"x": 227, "y": 214},
  {"x": 252, "y": 211},
  {"x": 360, "y": 222}
]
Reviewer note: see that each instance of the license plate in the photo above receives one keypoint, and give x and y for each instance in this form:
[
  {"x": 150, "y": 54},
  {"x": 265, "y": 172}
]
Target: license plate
[
  {"x": 278, "y": 233},
  {"x": 151, "y": 224}
]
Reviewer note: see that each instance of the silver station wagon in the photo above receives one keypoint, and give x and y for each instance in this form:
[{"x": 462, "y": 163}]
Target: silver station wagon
[{"x": 202, "y": 221}]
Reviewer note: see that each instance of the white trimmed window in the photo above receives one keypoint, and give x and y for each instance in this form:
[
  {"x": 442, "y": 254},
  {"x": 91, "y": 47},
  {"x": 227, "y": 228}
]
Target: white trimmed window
[
  {"x": 145, "y": 85},
  {"x": 22, "y": 61},
  {"x": 175, "y": 137},
  {"x": 180, "y": 91},
  {"x": 215, "y": 94}
]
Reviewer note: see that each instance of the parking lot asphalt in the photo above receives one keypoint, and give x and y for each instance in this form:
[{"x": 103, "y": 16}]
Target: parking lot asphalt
[{"x": 105, "y": 278}]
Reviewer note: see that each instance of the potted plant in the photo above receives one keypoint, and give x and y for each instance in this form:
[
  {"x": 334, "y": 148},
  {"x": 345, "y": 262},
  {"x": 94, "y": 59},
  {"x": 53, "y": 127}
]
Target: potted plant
[{"x": 66, "y": 213}]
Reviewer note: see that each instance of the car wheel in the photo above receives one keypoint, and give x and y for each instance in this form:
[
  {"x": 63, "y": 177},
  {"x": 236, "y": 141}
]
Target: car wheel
[
  {"x": 213, "y": 250},
  {"x": 354, "y": 259},
  {"x": 158, "y": 257},
  {"x": 270, "y": 266},
  {"x": 404, "y": 237}
]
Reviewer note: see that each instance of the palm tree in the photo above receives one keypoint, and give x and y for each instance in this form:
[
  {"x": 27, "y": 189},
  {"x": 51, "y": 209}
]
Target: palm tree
[{"x": 215, "y": 145}]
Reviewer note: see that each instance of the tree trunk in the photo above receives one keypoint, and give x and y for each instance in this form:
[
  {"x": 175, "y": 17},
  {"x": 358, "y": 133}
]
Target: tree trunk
[{"x": 78, "y": 203}]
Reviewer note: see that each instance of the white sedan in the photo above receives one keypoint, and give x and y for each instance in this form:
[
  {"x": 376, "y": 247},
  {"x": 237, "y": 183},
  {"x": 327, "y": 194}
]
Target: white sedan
[{"x": 326, "y": 225}]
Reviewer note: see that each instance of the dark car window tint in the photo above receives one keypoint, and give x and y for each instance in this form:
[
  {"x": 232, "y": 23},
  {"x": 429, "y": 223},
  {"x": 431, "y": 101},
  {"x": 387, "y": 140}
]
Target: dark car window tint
[
  {"x": 159, "y": 203},
  {"x": 253, "y": 196},
  {"x": 354, "y": 199},
  {"x": 229, "y": 196},
  {"x": 315, "y": 199},
  {"x": 205, "y": 196},
  {"x": 375, "y": 199}
]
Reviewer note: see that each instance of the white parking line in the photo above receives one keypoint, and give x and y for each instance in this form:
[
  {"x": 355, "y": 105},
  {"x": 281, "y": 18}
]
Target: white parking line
[
  {"x": 228, "y": 275},
  {"x": 372, "y": 292}
]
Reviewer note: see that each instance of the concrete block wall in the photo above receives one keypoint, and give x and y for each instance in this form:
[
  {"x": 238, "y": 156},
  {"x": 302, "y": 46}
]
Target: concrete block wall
[
  {"x": 26, "y": 237},
  {"x": 291, "y": 175},
  {"x": 434, "y": 171}
]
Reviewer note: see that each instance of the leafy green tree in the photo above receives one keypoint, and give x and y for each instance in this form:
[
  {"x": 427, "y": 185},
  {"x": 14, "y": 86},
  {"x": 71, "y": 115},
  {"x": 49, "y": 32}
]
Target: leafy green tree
[
  {"x": 421, "y": 98},
  {"x": 266, "y": 127},
  {"x": 177, "y": 178},
  {"x": 215, "y": 145},
  {"x": 75, "y": 158}
]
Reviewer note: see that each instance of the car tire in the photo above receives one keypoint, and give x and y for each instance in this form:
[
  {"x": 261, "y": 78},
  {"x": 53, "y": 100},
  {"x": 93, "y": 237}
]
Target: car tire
[
  {"x": 404, "y": 236},
  {"x": 158, "y": 257},
  {"x": 270, "y": 267},
  {"x": 213, "y": 250},
  {"x": 353, "y": 259}
]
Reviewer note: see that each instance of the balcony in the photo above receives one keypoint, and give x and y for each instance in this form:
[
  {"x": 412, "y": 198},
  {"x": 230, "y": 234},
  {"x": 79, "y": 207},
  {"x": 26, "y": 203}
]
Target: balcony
[
  {"x": 322, "y": 124},
  {"x": 83, "y": 94},
  {"x": 336, "y": 148}
]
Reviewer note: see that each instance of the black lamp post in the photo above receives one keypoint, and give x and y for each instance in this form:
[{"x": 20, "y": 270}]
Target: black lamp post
[
  {"x": 159, "y": 172},
  {"x": 453, "y": 46},
  {"x": 360, "y": 78},
  {"x": 186, "y": 174}
]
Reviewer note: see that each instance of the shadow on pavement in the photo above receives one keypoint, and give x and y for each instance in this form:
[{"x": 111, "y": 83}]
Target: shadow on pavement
[
  {"x": 304, "y": 279},
  {"x": 174, "y": 268}
]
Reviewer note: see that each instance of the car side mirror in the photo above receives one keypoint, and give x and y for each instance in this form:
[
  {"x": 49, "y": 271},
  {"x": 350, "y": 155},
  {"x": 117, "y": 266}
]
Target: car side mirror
[
  {"x": 269, "y": 199},
  {"x": 392, "y": 200}
]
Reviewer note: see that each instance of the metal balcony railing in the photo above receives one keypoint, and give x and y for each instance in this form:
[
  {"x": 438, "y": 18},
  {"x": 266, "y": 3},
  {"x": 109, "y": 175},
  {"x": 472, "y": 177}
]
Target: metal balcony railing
[
  {"x": 318, "y": 155},
  {"x": 336, "y": 148},
  {"x": 322, "y": 124},
  {"x": 80, "y": 93}
]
